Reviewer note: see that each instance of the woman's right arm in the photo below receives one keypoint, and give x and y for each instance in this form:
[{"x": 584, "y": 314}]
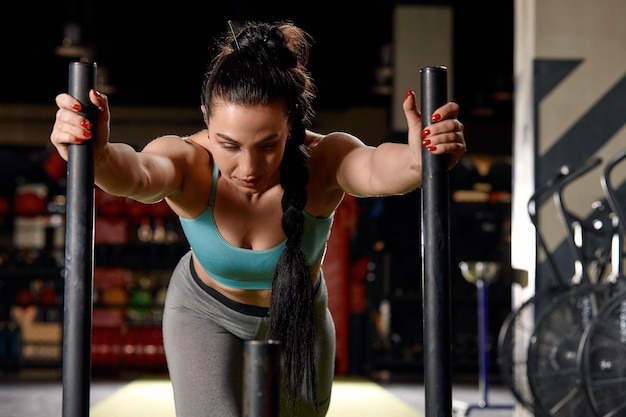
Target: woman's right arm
[{"x": 147, "y": 176}]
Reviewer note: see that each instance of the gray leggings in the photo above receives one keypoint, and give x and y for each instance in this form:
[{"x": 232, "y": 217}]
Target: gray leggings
[{"x": 204, "y": 333}]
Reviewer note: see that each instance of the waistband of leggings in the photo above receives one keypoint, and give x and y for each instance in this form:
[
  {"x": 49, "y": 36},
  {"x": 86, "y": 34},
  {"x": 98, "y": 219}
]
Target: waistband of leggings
[{"x": 247, "y": 309}]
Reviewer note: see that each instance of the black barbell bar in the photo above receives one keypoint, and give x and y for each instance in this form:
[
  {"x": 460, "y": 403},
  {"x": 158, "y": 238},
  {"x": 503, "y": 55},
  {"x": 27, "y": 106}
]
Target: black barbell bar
[
  {"x": 262, "y": 378},
  {"x": 79, "y": 247},
  {"x": 435, "y": 224}
]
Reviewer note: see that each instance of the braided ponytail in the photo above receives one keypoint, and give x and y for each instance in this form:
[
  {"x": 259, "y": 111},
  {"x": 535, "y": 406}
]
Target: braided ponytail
[{"x": 292, "y": 311}]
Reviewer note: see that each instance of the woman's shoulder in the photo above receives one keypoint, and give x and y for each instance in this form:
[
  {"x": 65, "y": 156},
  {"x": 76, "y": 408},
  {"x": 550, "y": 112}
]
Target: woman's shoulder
[
  {"x": 193, "y": 160},
  {"x": 329, "y": 140},
  {"x": 326, "y": 152},
  {"x": 182, "y": 145},
  {"x": 331, "y": 147}
]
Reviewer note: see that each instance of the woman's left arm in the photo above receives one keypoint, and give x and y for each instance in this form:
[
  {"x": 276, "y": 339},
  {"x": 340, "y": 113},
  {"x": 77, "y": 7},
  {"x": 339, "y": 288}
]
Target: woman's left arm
[
  {"x": 445, "y": 134},
  {"x": 394, "y": 168}
]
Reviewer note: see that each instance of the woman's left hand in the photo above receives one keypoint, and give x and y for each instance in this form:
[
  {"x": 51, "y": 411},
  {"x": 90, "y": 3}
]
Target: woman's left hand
[{"x": 443, "y": 136}]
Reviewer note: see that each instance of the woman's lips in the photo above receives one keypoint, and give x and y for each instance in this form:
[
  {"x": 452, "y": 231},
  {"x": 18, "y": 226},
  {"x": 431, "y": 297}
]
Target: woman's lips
[{"x": 248, "y": 182}]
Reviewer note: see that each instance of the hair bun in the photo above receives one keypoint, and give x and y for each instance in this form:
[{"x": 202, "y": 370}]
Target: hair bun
[{"x": 268, "y": 40}]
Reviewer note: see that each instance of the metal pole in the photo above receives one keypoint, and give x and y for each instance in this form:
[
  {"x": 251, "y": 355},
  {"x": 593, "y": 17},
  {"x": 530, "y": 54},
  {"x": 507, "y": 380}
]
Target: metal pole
[
  {"x": 435, "y": 256},
  {"x": 261, "y": 377},
  {"x": 79, "y": 246},
  {"x": 483, "y": 340}
]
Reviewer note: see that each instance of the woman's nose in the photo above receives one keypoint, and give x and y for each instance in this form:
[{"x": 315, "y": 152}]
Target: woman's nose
[{"x": 247, "y": 163}]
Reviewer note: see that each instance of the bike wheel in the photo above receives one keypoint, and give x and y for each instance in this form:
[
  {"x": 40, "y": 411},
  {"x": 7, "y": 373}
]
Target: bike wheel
[
  {"x": 553, "y": 365},
  {"x": 513, "y": 341},
  {"x": 603, "y": 359}
]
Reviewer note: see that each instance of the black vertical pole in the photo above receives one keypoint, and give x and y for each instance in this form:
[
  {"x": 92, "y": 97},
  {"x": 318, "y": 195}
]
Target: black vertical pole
[
  {"x": 261, "y": 378},
  {"x": 79, "y": 246},
  {"x": 435, "y": 256}
]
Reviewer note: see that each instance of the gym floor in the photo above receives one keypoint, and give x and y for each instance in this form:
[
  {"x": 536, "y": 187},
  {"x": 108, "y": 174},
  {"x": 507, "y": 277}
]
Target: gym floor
[{"x": 42, "y": 397}]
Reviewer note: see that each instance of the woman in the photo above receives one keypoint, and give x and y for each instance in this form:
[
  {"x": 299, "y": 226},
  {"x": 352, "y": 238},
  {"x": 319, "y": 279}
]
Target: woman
[{"x": 255, "y": 193}]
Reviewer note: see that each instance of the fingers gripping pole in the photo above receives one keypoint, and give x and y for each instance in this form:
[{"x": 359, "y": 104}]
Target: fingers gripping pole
[
  {"x": 435, "y": 256},
  {"x": 77, "y": 310}
]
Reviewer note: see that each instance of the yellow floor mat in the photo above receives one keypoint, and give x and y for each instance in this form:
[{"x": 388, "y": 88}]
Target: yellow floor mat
[{"x": 351, "y": 397}]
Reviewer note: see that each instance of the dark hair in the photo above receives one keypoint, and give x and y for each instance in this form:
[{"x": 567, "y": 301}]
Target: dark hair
[{"x": 262, "y": 64}]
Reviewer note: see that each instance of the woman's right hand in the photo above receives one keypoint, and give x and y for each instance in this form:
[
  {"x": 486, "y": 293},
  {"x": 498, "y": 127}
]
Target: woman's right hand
[{"x": 71, "y": 127}]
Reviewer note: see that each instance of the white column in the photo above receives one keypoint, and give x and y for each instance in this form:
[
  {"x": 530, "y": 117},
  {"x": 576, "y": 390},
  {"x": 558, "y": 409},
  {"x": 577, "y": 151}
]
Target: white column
[{"x": 422, "y": 37}]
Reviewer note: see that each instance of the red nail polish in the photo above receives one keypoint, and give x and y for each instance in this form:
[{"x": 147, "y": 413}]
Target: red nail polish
[
  {"x": 425, "y": 132},
  {"x": 79, "y": 140},
  {"x": 97, "y": 93},
  {"x": 432, "y": 148},
  {"x": 77, "y": 107},
  {"x": 85, "y": 124},
  {"x": 86, "y": 133},
  {"x": 426, "y": 142},
  {"x": 408, "y": 94},
  {"x": 436, "y": 117}
]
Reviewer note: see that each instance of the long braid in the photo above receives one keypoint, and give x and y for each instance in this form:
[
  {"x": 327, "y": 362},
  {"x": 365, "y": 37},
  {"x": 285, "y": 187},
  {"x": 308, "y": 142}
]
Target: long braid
[
  {"x": 266, "y": 63},
  {"x": 292, "y": 312}
]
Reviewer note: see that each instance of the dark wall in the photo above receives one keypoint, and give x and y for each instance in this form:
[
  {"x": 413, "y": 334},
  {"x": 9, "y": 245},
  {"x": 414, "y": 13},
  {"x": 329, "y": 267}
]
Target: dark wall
[{"x": 156, "y": 55}]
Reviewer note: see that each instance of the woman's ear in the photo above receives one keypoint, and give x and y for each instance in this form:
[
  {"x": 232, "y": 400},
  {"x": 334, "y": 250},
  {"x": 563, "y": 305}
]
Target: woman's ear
[{"x": 204, "y": 116}]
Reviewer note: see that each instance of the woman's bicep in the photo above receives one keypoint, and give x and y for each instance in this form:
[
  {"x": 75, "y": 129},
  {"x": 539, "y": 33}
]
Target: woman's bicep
[
  {"x": 387, "y": 169},
  {"x": 346, "y": 161},
  {"x": 161, "y": 169}
]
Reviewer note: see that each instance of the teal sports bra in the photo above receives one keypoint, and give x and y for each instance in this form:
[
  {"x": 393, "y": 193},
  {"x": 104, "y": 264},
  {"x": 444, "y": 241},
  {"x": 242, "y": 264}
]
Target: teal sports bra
[{"x": 242, "y": 268}]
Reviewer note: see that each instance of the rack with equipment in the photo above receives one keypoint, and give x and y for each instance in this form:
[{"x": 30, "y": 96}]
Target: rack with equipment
[{"x": 136, "y": 247}]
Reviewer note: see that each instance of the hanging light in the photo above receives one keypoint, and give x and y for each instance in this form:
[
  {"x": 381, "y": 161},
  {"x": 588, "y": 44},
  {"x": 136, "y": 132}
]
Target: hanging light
[
  {"x": 71, "y": 43},
  {"x": 71, "y": 47}
]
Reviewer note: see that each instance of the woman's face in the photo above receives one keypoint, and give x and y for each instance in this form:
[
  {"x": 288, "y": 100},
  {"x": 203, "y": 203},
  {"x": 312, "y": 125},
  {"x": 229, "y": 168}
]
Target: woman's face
[{"x": 248, "y": 144}]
